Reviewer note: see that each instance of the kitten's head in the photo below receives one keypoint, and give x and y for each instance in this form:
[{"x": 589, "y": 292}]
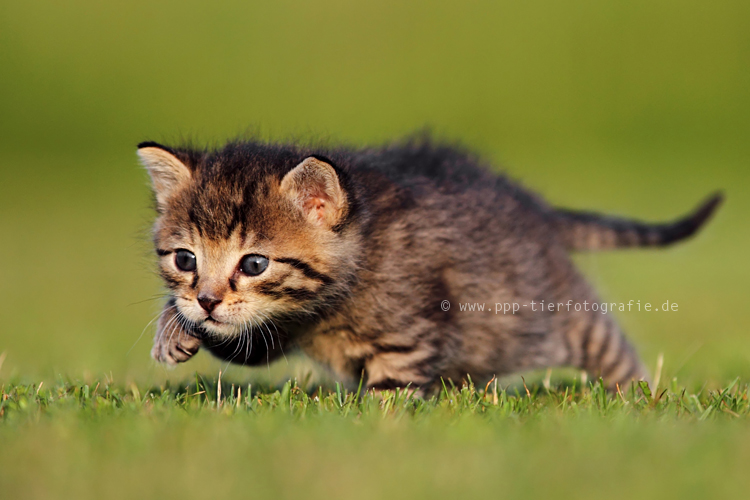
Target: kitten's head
[{"x": 250, "y": 233}]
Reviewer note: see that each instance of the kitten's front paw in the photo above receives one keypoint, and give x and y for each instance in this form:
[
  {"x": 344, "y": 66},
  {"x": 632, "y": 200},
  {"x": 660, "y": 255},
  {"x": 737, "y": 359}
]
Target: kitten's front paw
[
  {"x": 172, "y": 344},
  {"x": 176, "y": 349}
]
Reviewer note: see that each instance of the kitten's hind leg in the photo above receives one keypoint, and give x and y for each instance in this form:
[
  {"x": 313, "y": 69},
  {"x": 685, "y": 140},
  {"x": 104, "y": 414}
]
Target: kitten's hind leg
[
  {"x": 401, "y": 367},
  {"x": 597, "y": 345}
]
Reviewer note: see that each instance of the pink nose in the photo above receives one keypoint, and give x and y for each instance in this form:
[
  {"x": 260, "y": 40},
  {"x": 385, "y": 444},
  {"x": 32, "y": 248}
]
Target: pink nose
[{"x": 208, "y": 302}]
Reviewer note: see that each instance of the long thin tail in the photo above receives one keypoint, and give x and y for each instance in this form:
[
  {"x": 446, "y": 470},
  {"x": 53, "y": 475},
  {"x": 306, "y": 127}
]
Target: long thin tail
[{"x": 591, "y": 231}]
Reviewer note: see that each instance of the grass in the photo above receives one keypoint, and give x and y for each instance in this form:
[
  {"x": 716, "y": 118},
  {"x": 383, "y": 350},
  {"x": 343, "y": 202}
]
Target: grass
[{"x": 204, "y": 438}]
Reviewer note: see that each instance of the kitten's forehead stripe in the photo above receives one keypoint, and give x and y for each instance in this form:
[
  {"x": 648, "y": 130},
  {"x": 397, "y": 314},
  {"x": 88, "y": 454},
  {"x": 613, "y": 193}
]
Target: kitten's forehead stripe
[{"x": 217, "y": 211}]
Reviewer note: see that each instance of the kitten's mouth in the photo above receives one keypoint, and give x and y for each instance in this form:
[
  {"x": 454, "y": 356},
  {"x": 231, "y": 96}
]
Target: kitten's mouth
[{"x": 215, "y": 327}]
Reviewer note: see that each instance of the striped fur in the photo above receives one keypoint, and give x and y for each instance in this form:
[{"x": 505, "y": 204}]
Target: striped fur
[
  {"x": 590, "y": 231},
  {"x": 362, "y": 248}
]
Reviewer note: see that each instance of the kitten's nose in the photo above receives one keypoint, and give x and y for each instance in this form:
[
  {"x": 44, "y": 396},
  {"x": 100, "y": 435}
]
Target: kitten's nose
[{"x": 208, "y": 302}]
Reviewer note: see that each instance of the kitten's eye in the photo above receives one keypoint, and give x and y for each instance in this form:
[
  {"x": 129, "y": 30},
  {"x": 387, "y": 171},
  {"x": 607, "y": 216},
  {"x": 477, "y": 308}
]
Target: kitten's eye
[
  {"x": 185, "y": 260},
  {"x": 253, "y": 265}
]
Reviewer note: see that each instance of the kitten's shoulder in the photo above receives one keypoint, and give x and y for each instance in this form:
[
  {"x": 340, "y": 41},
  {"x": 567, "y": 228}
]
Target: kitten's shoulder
[
  {"x": 424, "y": 159},
  {"x": 450, "y": 168}
]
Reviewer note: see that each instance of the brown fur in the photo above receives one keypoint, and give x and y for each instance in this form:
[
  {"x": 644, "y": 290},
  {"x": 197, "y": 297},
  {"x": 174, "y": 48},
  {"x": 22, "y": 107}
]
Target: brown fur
[{"x": 363, "y": 246}]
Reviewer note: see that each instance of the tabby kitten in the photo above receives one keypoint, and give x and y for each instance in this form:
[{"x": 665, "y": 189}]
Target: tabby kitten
[{"x": 349, "y": 254}]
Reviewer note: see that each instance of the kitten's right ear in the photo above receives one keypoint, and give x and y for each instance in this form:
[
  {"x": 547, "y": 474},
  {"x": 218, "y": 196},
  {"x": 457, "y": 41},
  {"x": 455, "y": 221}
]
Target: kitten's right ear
[{"x": 167, "y": 172}]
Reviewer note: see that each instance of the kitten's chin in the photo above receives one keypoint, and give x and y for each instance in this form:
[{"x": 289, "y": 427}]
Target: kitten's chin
[{"x": 219, "y": 328}]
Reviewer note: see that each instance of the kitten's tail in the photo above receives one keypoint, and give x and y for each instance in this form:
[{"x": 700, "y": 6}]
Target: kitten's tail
[{"x": 590, "y": 231}]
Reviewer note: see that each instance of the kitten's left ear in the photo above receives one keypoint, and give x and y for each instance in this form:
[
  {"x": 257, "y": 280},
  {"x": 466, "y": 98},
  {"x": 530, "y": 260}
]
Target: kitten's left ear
[
  {"x": 167, "y": 172},
  {"x": 314, "y": 187}
]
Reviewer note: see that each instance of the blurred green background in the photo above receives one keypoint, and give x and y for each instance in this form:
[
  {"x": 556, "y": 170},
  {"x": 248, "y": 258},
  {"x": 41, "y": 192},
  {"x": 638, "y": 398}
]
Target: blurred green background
[{"x": 639, "y": 108}]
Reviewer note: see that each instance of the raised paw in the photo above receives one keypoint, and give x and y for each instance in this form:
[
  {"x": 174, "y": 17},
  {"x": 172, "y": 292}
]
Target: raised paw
[{"x": 172, "y": 343}]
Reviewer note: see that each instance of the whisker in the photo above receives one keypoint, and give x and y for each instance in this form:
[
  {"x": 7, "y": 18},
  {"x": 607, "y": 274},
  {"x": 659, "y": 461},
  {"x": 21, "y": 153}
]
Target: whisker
[
  {"x": 146, "y": 327},
  {"x": 247, "y": 333},
  {"x": 264, "y": 337},
  {"x": 171, "y": 324},
  {"x": 269, "y": 320},
  {"x": 250, "y": 337},
  {"x": 155, "y": 297},
  {"x": 268, "y": 352}
]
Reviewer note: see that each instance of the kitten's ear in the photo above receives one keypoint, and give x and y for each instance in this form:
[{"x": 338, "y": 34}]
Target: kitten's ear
[
  {"x": 314, "y": 187},
  {"x": 167, "y": 172}
]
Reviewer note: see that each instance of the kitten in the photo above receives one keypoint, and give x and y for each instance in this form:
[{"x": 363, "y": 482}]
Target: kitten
[{"x": 360, "y": 258}]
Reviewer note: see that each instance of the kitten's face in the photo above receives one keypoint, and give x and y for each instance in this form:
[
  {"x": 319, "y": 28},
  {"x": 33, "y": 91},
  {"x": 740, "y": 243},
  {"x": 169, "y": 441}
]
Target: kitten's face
[{"x": 244, "y": 243}]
